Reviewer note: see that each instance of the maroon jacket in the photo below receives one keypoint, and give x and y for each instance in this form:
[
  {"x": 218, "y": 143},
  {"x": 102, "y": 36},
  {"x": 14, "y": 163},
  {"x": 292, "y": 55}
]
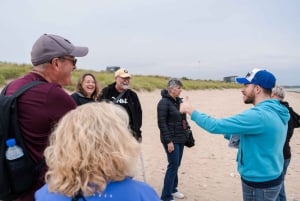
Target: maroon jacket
[{"x": 39, "y": 109}]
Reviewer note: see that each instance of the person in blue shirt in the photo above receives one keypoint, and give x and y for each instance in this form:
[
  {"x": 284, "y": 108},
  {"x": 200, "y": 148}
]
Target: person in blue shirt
[
  {"x": 262, "y": 130},
  {"x": 95, "y": 160}
]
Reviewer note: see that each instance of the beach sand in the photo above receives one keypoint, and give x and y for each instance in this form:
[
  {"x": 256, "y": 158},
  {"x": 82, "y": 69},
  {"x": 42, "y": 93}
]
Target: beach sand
[{"x": 208, "y": 170}]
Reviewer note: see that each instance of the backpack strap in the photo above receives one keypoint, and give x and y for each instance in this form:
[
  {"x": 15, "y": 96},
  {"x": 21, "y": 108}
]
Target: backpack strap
[
  {"x": 23, "y": 88},
  {"x": 4, "y": 90}
]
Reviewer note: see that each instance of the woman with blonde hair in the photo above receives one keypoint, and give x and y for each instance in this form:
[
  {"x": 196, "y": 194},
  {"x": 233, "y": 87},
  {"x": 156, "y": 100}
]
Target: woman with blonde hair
[{"x": 94, "y": 160}]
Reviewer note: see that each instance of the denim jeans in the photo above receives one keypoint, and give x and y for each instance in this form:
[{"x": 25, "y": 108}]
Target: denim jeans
[
  {"x": 260, "y": 194},
  {"x": 171, "y": 176},
  {"x": 282, "y": 195}
]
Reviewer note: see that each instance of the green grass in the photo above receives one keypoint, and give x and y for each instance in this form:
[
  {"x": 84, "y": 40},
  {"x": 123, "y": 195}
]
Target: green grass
[{"x": 9, "y": 71}]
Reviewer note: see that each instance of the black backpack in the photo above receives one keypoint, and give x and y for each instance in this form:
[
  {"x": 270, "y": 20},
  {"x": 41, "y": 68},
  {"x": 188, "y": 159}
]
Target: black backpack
[{"x": 22, "y": 175}]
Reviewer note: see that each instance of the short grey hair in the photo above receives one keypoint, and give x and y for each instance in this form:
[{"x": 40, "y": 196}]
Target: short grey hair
[
  {"x": 278, "y": 91},
  {"x": 174, "y": 82}
]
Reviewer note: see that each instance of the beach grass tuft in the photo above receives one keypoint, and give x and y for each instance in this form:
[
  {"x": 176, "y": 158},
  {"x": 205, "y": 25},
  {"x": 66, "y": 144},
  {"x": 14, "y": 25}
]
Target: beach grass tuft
[{"x": 9, "y": 71}]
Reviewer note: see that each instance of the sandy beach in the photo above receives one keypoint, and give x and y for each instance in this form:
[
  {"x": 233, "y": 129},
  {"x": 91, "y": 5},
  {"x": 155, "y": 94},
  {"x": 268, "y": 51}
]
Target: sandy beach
[{"x": 208, "y": 170}]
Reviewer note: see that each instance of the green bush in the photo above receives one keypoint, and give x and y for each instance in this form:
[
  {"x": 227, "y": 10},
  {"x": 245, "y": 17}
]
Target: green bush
[{"x": 9, "y": 71}]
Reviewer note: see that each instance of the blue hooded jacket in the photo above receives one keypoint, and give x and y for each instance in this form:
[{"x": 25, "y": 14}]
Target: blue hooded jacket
[{"x": 262, "y": 131}]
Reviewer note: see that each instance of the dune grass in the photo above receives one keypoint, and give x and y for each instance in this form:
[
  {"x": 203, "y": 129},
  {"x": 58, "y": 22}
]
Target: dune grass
[{"x": 9, "y": 71}]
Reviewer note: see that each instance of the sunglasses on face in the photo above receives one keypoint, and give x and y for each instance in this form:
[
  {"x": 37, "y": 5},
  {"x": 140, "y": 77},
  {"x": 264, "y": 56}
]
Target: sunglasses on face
[{"x": 73, "y": 60}]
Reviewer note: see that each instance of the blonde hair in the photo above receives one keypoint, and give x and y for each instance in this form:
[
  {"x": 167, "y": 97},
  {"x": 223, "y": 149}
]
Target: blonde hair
[{"x": 90, "y": 146}]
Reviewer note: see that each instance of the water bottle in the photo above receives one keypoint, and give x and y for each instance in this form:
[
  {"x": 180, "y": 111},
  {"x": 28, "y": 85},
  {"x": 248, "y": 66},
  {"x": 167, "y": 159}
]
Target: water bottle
[
  {"x": 18, "y": 167},
  {"x": 13, "y": 151}
]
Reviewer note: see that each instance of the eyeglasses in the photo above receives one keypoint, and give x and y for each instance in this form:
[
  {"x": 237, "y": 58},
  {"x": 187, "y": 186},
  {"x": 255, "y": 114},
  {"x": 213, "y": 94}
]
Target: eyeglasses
[
  {"x": 124, "y": 78},
  {"x": 73, "y": 60}
]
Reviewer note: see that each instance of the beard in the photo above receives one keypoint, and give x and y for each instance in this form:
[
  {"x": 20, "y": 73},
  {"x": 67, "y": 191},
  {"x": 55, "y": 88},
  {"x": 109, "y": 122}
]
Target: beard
[
  {"x": 249, "y": 99},
  {"x": 125, "y": 86}
]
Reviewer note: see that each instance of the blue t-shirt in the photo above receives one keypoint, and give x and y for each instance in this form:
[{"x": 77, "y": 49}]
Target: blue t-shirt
[{"x": 126, "y": 190}]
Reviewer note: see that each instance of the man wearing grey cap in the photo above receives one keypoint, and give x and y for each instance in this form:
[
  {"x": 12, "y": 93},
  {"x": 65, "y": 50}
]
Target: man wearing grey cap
[
  {"x": 53, "y": 59},
  {"x": 262, "y": 131}
]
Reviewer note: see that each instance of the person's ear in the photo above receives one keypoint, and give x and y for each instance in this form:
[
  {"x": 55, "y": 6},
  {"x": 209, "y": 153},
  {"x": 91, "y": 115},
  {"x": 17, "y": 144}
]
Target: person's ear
[
  {"x": 55, "y": 64},
  {"x": 258, "y": 88}
]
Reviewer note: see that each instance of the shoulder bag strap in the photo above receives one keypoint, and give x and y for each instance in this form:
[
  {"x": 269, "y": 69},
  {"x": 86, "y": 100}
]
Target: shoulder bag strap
[{"x": 119, "y": 96}]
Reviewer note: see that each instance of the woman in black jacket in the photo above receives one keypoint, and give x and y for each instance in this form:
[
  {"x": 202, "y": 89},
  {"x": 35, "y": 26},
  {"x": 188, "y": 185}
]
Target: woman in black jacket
[
  {"x": 87, "y": 89},
  {"x": 172, "y": 125},
  {"x": 294, "y": 122}
]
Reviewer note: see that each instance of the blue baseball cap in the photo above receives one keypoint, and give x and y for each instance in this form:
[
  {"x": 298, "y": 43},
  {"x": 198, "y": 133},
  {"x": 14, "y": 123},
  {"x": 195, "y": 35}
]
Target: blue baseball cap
[{"x": 259, "y": 77}]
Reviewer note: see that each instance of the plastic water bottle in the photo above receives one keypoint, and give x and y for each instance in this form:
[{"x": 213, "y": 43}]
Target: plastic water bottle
[
  {"x": 17, "y": 167},
  {"x": 13, "y": 151}
]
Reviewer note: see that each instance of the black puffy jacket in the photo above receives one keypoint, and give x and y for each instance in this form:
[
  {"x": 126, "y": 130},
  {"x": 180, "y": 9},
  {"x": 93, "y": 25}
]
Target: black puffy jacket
[
  {"x": 293, "y": 123},
  {"x": 170, "y": 119}
]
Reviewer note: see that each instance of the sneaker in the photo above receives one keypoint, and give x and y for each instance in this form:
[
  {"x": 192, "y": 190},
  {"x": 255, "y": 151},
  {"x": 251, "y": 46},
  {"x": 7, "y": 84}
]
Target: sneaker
[{"x": 178, "y": 195}]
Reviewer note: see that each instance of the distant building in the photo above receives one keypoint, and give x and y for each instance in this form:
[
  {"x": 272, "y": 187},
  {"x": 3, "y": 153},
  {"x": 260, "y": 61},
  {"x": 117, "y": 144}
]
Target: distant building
[
  {"x": 112, "y": 68},
  {"x": 230, "y": 78}
]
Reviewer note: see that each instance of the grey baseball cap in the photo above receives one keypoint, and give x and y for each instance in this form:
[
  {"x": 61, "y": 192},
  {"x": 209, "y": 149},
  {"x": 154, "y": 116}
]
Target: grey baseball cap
[{"x": 50, "y": 46}]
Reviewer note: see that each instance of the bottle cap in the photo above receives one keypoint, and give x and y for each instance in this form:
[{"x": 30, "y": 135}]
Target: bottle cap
[{"x": 11, "y": 142}]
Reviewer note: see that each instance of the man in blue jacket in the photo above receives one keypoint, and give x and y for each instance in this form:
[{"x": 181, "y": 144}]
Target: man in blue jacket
[{"x": 262, "y": 130}]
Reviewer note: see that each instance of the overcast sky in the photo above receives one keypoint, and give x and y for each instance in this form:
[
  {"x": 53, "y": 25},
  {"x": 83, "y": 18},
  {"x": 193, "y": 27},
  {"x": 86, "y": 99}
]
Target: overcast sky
[{"x": 198, "y": 39}]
